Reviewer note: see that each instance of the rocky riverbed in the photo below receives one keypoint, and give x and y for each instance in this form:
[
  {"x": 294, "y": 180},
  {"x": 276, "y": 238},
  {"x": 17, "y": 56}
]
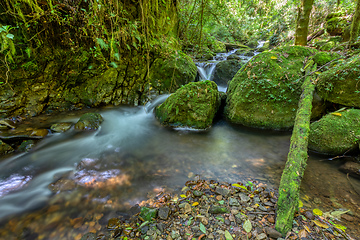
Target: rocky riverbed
[{"x": 219, "y": 210}]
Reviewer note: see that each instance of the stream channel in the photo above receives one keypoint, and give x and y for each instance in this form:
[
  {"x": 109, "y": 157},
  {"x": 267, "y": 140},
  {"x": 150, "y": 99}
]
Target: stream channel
[{"x": 94, "y": 176}]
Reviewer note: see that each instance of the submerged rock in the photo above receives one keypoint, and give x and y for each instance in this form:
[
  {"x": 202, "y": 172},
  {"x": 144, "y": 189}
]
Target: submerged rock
[
  {"x": 353, "y": 168},
  {"x": 61, "y": 127},
  {"x": 265, "y": 92},
  {"x": 194, "y": 105},
  {"x": 336, "y": 133},
  {"x": 340, "y": 84},
  {"x": 89, "y": 121},
  {"x": 5, "y": 148}
]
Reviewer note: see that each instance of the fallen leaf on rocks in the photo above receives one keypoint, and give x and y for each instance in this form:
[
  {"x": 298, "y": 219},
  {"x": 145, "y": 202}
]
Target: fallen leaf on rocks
[
  {"x": 320, "y": 224},
  {"x": 247, "y": 226}
]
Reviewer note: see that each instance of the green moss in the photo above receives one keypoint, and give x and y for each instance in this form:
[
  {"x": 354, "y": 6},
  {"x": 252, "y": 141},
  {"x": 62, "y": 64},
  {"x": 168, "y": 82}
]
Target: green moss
[
  {"x": 336, "y": 25},
  {"x": 321, "y": 58},
  {"x": 340, "y": 84},
  {"x": 194, "y": 105},
  {"x": 265, "y": 92},
  {"x": 168, "y": 74},
  {"x": 89, "y": 121},
  {"x": 217, "y": 46},
  {"x": 335, "y": 133}
]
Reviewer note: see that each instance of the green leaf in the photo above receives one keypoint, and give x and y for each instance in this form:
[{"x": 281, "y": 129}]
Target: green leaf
[
  {"x": 202, "y": 228},
  {"x": 113, "y": 64},
  {"x": 228, "y": 235},
  {"x": 221, "y": 202},
  {"x": 247, "y": 226},
  {"x": 102, "y": 43},
  {"x": 9, "y": 35}
]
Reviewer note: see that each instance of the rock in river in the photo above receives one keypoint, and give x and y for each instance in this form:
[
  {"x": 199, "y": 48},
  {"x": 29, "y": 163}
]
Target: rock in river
[
  {"x": 89, "y": 121},
  {"x": 335, "y": 133},
  {"x": 265, "y": 92},
  {"x": 193, "y": 105}
]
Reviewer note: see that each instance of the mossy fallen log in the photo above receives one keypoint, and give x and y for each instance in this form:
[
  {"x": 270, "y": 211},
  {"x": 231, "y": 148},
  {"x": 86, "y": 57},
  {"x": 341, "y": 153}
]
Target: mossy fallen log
[{"x": 296, "y": 162}]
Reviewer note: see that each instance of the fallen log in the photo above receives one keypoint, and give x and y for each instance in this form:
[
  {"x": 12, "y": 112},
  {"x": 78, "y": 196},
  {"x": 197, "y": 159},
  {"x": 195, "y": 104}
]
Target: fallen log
[
  {"x": 316, "y": 34},
  {"x": 289, "y": 189}
]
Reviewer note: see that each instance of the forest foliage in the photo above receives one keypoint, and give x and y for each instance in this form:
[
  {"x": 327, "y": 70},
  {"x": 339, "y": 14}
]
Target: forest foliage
[{"x": 109, "y": 29}]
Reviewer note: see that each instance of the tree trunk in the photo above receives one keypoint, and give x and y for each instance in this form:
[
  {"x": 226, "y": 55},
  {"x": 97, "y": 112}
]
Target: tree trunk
[
  {"x": 288, "y": 201},
  {"x": 355, "y": 26},
  {"x": 303, "y": 22}
]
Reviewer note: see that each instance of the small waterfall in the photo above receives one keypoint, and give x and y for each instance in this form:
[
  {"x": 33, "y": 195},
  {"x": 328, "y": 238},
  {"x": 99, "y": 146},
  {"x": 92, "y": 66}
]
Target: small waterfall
[
  {"x": 206, "y": 69},
  {"x": 156, "y": 102}
]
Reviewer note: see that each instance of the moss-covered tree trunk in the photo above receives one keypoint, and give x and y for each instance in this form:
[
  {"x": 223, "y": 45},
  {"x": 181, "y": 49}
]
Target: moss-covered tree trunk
[
  {"x": 355, "y": 26},
  {"x": 295, "y": 166},
  {"x": 303, "y": 22}
]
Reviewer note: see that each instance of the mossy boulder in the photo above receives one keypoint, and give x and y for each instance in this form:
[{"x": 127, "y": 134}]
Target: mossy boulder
[
  {"x": 340, "y": 84},
  {"x": 225, "y": 71},
  {"x": 336, "y": 133},
  {"x": 322, "y": 58},
  {"x": 168, "y": 74},
  {"x": 265, "y": 92},
  {"x": 217, "y": 46},
  {"x": 336, "y": 25},
  {"x": 194, "y": 105},
  {"x": 89, "y": 121}
]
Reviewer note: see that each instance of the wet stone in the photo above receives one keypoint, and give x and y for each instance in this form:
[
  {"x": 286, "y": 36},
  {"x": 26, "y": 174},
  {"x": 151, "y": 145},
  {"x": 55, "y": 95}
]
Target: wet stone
[
  {"x": 61, "y": 127},
  {"x": 198, "y": 193},
  {"x": 148, "y": 213},
  {"x": 262, "y": 208},
  {"x": 222, "y": 191},
  {"x": 244, "y": 198},
  {"x": 164, "y": 213},
  {"x": 270, "y": 204},
  {"x": 261, "y": 236},
  {"x": 218, "y": 209},
  {"x": 233, "y": 202},
  {"x": 309, "y": 215},
  {"x": 89, "y": 236},
  {"x": 272, "y": 233}
]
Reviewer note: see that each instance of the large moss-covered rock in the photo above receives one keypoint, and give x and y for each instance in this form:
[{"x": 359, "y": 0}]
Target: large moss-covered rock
[
  {"x": 225, "y": 71},
  {"x": 336, "y": 24},
  {"x": 340, "y": 84},
  {"x": 89, "y": 121},
  {"x": 335, "y": 133},
  {"x": 217, "y": 46},
  {"x": 194, "y": 105},
  {"x": 322, "y": 58},
  {"x": 265, "y": 92},
  {"x": 168, "y": 74}
]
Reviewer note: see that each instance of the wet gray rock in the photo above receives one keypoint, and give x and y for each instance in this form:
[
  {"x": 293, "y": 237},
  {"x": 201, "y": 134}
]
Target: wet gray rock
[
  {"x": 198, "y": 193},
  {"x": 89, "y": 236},
  {"x": 225, "y": 71},
  {"x": 164, "y": 213},
  {"x": 26, "y": 145},
  {"x": 61, "y": 127},
  {"x": 272, "y": 233},
  {"x": 89, "y": 121},
  {"x": 222, "y": 191},
  {"x": 233, "y": 202},
  {"x": 353, "y": 168}
]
